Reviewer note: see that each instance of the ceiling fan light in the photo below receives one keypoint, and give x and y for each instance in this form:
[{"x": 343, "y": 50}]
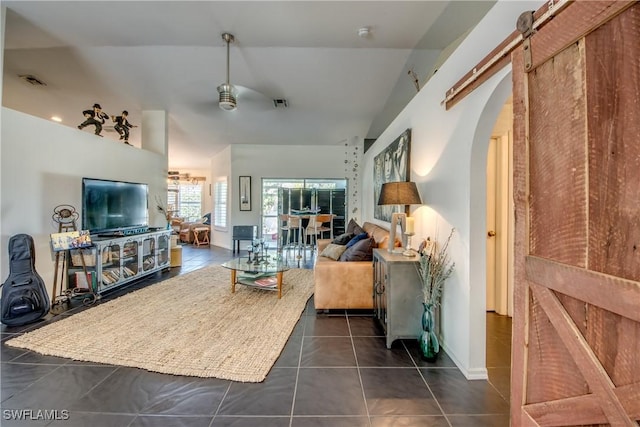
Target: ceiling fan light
[
  {"x": 227, "y": 102},
  {"x": 227, "y": 99}
]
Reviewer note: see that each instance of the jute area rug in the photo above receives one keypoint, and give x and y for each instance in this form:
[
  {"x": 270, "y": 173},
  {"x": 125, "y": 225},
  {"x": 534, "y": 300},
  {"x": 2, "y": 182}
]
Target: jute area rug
[{"x": 187, "y": 325}]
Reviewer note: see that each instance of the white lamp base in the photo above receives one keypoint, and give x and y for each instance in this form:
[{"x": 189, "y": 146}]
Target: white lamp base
[{"x": 409, "y": 253}]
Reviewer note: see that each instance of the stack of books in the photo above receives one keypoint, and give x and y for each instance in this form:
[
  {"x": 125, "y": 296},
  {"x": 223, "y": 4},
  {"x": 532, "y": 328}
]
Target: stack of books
[
  {"x": 262, "y": 280},
  {"x": 267, "y": 282}
]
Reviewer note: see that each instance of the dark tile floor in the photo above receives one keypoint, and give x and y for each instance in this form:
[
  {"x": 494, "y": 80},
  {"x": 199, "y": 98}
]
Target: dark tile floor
[{"x": 334, "y": 371}]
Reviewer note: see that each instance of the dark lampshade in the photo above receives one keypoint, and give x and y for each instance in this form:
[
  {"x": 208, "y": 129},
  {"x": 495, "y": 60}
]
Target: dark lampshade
[{"x": 399, "y": 193}]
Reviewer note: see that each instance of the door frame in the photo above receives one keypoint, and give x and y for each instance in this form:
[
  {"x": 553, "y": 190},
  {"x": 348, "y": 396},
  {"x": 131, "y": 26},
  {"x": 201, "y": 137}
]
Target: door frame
[
  {"x": 500, "y": 295},
  {"x": 502, "y": 88}
]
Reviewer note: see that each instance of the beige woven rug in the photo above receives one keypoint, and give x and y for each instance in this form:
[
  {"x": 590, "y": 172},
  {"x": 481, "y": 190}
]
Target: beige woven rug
[{"x": 188, "y": 325}]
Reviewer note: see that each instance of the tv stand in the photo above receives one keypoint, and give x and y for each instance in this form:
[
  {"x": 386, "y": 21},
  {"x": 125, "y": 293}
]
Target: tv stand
[
  {"x": 114, "y": 234},
  {"x": 116, "y": 260}
]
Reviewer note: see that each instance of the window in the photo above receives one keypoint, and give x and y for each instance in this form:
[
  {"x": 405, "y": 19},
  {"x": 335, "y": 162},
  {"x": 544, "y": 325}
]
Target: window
[
  {"x": 220, "y": 202},
  {"x": 185, "y": 198},
  {"x": 270, "y": 202}
]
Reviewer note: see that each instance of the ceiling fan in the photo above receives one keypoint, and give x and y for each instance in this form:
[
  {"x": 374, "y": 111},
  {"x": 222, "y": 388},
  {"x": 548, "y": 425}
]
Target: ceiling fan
[
  {"x": 229, "y": 94},
  {"x": 226, "y": 90}
]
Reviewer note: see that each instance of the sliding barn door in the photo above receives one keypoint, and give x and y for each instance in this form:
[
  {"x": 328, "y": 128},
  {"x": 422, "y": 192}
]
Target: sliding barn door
[{"x": 576, "y": 338}]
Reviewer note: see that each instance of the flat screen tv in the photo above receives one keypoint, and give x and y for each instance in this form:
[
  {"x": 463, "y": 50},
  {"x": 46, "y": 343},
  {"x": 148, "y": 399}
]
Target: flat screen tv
[{"x": 110, "y": 206}]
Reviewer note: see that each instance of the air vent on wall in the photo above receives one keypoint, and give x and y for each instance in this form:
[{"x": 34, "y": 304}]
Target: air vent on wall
[{"x": 32, "y": 80}]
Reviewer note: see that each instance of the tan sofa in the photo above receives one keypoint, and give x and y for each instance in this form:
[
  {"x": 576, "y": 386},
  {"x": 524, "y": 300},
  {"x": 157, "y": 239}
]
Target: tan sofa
[{"x": 346, "y": 284}]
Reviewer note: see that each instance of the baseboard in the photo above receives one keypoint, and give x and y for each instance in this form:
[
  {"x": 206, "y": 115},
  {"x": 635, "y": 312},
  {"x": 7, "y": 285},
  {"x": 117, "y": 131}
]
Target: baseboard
[{"x": 470, "y": 374}]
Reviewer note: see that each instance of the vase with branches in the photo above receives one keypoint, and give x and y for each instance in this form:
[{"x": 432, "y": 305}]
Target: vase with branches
[
  {"x": 434, "y": 267},
  {"x": 168, "y": 214}
]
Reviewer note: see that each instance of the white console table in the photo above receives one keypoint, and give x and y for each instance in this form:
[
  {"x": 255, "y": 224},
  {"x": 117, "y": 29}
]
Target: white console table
[{"x": 114, "y": 261}]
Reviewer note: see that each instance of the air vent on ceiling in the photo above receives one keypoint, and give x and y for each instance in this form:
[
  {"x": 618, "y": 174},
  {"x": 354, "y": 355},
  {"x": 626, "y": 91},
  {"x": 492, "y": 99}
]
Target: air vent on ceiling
[
  {"x": 280, "y": 103},
  {"x": 32, "y": 80}
]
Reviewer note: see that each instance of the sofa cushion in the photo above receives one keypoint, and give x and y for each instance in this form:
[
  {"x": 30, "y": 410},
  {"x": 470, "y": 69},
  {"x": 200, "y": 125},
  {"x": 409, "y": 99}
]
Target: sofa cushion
[
  {"x": 343, "y": 239},
  {"x": 354, "y": 228},
  {"x": 361, "y": 251},
  {"x": 333, "y": 251},
  {"x": 356, "y": 239}
]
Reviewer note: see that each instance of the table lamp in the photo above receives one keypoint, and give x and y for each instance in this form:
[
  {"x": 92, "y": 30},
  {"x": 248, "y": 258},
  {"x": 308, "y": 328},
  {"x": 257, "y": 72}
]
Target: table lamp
[{"x": 400, "y": 193}]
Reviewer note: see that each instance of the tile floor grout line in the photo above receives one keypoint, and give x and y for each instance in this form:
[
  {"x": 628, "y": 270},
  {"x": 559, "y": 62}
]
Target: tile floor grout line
[
  {"x": 355, "y": 355},
  {"x": 224, "y": 396},
  {"x": 295, "y": 387},
  {"x": 427, "y": 384}
]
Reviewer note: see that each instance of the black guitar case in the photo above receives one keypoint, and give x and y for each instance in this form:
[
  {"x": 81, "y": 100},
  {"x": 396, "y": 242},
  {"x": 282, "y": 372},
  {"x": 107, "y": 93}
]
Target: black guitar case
[{"x": 24, "y": 295}]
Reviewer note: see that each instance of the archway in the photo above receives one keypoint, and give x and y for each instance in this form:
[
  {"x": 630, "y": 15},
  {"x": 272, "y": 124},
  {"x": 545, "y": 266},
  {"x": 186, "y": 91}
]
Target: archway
[{"x": 478, "y": 209}]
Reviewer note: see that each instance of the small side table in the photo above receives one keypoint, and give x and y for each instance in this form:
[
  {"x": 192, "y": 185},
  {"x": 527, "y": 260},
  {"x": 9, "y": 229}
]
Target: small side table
[
  {"x": 176, "y": 256},
  {"x": 201, "y": 236}
]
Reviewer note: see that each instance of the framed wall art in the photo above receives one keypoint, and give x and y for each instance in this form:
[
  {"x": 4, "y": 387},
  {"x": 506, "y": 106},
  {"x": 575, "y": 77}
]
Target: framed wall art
[
  {"x": 245, "y": 193},
  {"x": 391, "y": 165}
]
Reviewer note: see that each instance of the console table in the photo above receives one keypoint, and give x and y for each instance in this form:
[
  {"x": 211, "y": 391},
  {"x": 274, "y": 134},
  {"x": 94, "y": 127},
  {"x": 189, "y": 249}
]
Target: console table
[{"x": 397, "y": 295}]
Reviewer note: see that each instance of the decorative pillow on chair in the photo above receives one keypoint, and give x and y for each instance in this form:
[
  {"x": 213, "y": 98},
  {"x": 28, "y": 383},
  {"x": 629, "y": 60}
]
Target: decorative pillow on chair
[
  {"x": 343, "y": 239},
  {"x": 354, "y": 228},
  {"x": 361, "y": 251},
  {"x": 333, "y": 251},
  {"x": 356, "y": 239}
]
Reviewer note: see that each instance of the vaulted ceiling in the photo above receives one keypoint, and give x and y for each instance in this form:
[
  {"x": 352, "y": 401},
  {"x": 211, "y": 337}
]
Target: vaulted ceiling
[{"x": 170, "y": 55}]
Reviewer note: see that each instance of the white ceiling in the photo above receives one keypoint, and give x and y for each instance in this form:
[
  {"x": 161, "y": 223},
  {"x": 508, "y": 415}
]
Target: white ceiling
[{"x": 169, "y": 55}]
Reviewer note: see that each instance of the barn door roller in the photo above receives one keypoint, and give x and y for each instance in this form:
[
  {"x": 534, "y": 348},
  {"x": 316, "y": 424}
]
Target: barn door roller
[{"x": 525, "y": 26}]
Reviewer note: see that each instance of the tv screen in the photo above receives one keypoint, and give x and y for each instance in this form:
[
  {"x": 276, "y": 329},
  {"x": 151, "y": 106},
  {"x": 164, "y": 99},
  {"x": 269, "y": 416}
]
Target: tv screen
[{"x": 109, "y": 206}]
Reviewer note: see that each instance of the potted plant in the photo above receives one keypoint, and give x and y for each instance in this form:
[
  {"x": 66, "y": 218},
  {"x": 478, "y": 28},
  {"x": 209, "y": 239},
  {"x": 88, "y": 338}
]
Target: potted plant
[{"x": 435, "y": 267}]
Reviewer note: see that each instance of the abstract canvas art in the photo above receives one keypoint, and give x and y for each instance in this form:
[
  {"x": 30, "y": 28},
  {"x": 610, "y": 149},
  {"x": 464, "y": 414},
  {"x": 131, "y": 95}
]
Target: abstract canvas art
[{"x": 391, "y": 165}]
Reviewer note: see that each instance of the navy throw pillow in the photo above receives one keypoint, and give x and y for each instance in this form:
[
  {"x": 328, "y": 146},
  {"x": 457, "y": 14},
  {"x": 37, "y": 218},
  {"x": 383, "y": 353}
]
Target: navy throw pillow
[
  {"x": 356, "y": 239},
  {"x": 361, "y": 251}
]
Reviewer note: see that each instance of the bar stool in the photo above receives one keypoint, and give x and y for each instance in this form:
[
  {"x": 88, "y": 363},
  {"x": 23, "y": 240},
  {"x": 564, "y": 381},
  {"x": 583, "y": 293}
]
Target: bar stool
[
  {"x": 293, "y": 224},
  {"x": 317, "y": 226},
  {"x": 284, "y": 227}
]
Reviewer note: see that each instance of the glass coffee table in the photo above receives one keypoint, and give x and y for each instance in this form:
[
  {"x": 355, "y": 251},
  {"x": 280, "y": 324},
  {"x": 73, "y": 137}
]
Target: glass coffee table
[{"x": 264, "y": 275}]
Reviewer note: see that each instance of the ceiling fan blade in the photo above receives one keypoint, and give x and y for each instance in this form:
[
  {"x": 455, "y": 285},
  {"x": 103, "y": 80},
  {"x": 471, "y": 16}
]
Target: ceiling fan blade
[{"x": 252, "y": 99}]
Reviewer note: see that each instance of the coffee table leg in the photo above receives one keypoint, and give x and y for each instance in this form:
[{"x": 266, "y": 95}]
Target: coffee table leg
[
  {"x": 279, "y": 277},
  {"x": 233, "y": 281}
]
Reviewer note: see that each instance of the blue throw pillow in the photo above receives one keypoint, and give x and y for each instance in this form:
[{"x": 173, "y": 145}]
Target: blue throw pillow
[{"x": 356, "y": 239}]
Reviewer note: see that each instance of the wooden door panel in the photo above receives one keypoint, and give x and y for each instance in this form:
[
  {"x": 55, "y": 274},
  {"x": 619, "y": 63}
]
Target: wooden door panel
[
  {"x": 576, "y": 342},
  {"x": 552, "y": 374},
  {"x": 558, "y": 199},
  {"x": 571, "y": 24},
  {"x": 613, "y": 64}
]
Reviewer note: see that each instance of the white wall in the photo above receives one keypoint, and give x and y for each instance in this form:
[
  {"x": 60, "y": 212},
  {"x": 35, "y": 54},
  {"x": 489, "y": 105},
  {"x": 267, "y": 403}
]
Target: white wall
[
  {"x": 43, "y": 164},
  {"x": 448, "y": 163},
  {"x": 3, "y": 17},
  {"x": 270, "y": 161}
]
